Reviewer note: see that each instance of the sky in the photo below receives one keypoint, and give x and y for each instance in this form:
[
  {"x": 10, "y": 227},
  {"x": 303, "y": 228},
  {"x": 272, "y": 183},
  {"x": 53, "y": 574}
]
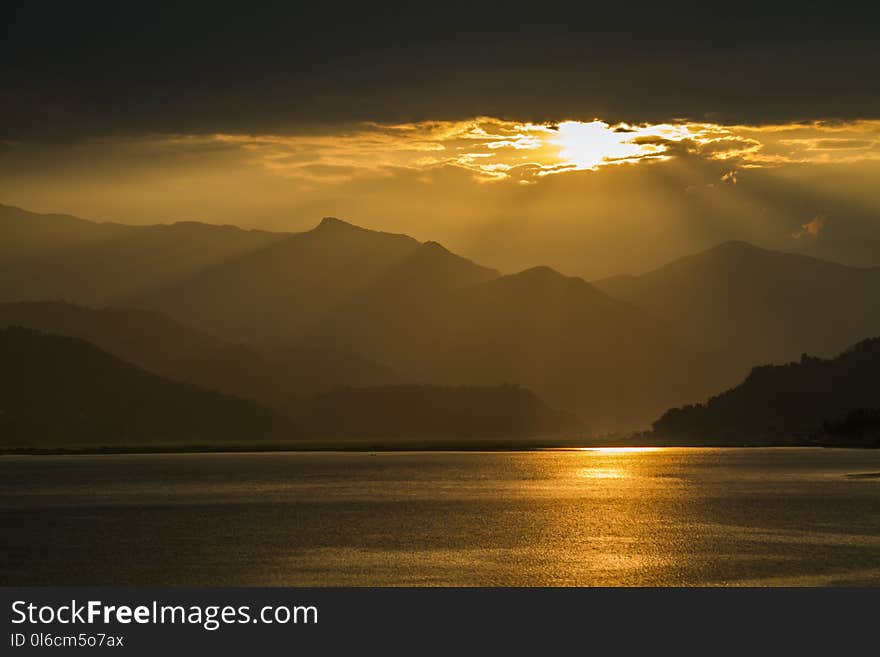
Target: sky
[{"x": 595, "y": 138}]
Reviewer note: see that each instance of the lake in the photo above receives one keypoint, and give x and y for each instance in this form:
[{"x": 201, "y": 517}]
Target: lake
[{"x": 668, "y": 516}]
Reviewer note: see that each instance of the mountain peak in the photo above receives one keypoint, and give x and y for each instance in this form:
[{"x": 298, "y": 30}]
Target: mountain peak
[
  {"x": 434, "y": 247},
  {"x": 542, "y": 278},
  {"x": 432, "y": 263},
  {"x": 744, "y": 254},
  {"x": 332, "y": 223},
  {"x": 540, "y": 273}
]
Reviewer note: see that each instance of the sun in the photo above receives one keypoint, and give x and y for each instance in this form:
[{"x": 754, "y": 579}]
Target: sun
[{"x": 590, "y": 145}]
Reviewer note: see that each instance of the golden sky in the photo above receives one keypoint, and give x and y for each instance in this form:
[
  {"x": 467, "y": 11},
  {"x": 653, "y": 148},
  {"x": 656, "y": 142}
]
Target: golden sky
[
  {"x": 495, "y": 150},
  {"x": 592, "y": 198}
]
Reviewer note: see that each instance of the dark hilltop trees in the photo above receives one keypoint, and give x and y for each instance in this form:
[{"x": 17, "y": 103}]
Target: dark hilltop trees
[
  {"x": 781, "y": 403},
  {"x": 860, "y": 428}
]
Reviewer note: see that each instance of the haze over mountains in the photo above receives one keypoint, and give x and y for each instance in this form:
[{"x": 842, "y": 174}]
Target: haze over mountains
[
  {"x": 760, "y": 306},
  {"x": 273, "y": 375},
  {"x": 279, "y": 291},
  {"x": 61, "y": 257},
  {"x": 557, "y": 335},
  {"x": 361, "y": 307},
  {"x": 503, "y": 413},
  {"x": 57, "y": 390},
  {"x": 61, "y": 392}
]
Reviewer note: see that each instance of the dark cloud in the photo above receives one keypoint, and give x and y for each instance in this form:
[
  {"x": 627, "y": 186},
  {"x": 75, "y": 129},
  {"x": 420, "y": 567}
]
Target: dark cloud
[{"x": 129, "y": 68}]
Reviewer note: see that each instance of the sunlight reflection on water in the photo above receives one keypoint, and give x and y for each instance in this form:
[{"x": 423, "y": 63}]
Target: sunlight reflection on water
[
  {"x": 601, "y": 473},
  {"x": 570, "y": 517}
]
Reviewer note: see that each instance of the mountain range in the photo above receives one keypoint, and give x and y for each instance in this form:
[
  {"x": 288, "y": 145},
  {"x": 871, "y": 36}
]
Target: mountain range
[
  {"x": 758, "y": 305},
  {"x": 276, "y": 376},
  {"x": 63, "y": 391},
  {"x": 298, "y": 313}
]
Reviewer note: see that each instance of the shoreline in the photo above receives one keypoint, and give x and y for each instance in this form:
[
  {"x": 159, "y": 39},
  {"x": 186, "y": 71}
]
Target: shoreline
[{"x": 361, "y": 446}]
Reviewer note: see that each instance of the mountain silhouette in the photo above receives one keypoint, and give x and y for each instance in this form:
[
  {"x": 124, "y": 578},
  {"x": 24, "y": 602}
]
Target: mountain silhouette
[
  {"x": 52, "y": 257},
  {"x": 148, "y": 339},
  {"x": 784, "y": 402},
  {"x": 435, "y": 412},
  {"x": 278, "y": 292},
  {"x": 387, "y": 318},
  {"x": 573, "y": 345},
  {"x": 759, "y": 305},
  {"x": 616, "y": 352},
  {"x": 29, "y": 235},
  {"x": 283, "y": 377},
  {"x": 58, "y": 391},
  {"x": 273, "y": 375}
]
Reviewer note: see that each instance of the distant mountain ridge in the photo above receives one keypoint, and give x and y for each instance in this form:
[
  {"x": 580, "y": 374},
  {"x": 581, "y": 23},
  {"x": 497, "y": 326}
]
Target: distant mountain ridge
[
  {"x": 758, "y": 305},
  {"x": 435, "y": 413},
  {"x": 149, "y": 339},
  {"x": 278, "y": 292},
  {"x": 52, "y": 257},
  {"x": 61, "y": 391},
  {"x": 274, "y": 375},
  {"x": 559, "y": 336}
]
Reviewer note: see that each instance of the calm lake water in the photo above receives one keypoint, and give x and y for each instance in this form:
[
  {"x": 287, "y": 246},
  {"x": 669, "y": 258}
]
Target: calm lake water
[{"x": 587, "y": 517}]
